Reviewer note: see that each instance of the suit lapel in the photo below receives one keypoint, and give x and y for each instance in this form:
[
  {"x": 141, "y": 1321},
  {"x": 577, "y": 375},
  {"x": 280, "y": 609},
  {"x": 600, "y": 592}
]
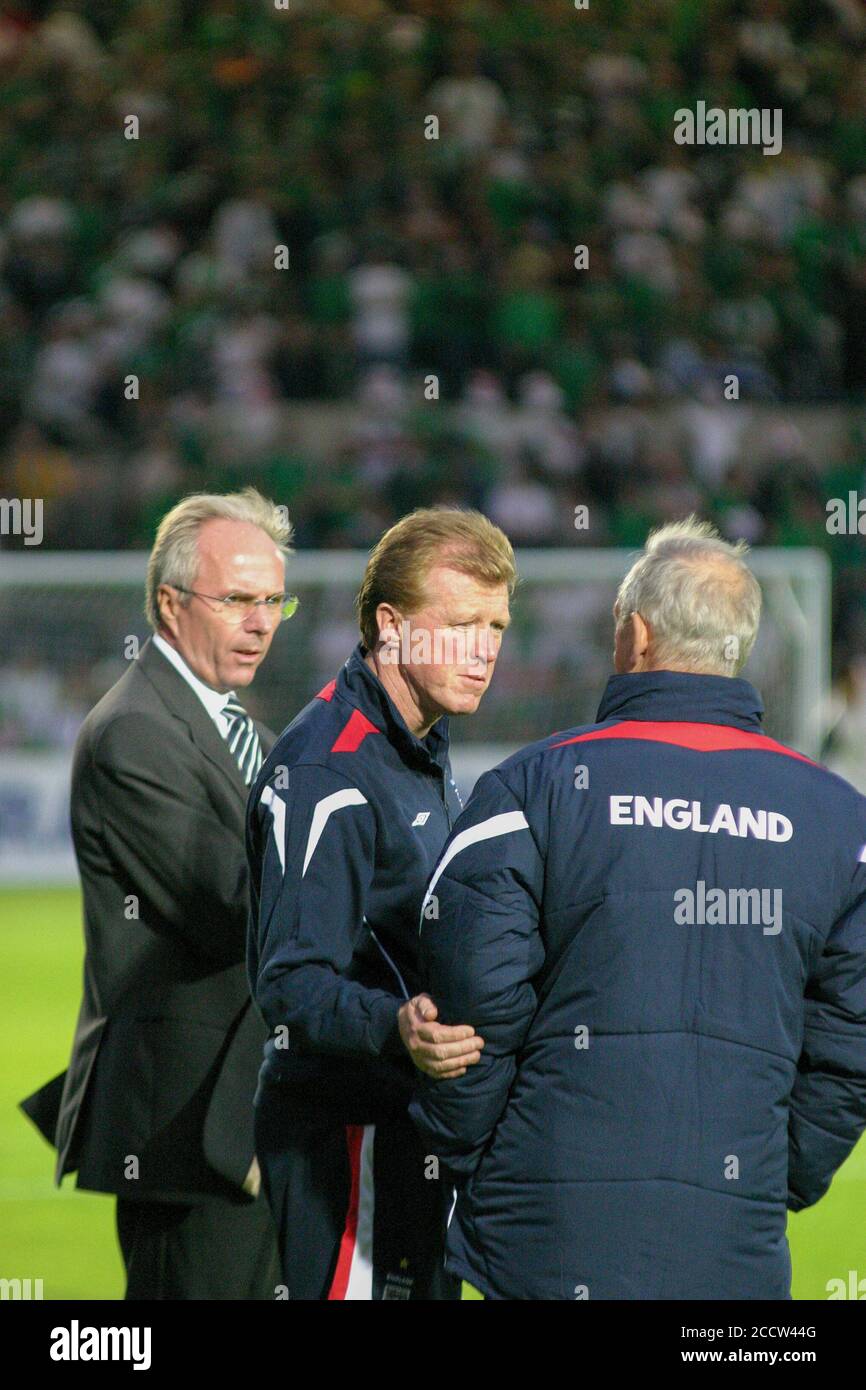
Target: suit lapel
[{"x": 184, "y": 704}]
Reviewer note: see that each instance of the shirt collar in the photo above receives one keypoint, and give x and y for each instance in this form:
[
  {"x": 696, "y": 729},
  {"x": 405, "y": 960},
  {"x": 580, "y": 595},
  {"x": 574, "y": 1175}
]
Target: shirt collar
[
  {"x": 680, "y": 695},
  {"x": 360, "y": 685},
  {"x": 213, "y": 700}
]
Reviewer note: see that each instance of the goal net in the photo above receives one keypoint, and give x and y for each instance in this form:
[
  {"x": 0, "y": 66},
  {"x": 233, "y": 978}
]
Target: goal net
[{"x": 71, "y": 622}]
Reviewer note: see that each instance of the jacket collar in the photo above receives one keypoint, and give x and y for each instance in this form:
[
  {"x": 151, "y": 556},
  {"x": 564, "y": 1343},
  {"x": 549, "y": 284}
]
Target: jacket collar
[
  {"x": 213, "y": 700},
  {"x": 360, "y": 685},
  {"x": 680, "y": 696},
  {"x": 184, "y": 704}
]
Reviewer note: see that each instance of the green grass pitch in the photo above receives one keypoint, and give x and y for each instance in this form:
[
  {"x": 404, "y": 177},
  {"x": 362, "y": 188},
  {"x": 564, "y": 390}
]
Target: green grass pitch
[{"x": 66, "y": 1238}]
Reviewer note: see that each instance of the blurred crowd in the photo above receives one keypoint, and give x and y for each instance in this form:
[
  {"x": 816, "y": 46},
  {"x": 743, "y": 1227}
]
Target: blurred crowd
[{"x": 213, "y": 212}]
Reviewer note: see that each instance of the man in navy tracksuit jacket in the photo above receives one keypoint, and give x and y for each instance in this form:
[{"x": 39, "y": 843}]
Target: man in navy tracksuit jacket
[
  {"x": 669, "y": 1062},
  {"x": 356, "y": 776},
  {"x": 345, "y": 823}
]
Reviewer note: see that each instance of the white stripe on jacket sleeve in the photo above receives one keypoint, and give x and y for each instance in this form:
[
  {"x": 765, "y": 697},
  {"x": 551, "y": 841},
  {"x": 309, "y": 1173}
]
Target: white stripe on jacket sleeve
[
  {"x": 277, "y": 808},
  {"x": 484, "y": 830},
  {"x": 323, "y": 810}
]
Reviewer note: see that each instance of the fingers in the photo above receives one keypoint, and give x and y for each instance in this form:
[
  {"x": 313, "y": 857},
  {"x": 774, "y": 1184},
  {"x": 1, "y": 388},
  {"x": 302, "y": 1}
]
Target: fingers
[
  {"x": 444, "y": 1033},
  {"x": 443, "y": 1069},
  {"x": 425, "y": 1007},
  {"x": 447, "y": 1051},
  {"x": 439, "y": 1050}
]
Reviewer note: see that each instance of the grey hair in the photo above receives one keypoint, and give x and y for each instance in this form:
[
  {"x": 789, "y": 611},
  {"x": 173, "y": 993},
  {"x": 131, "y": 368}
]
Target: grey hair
[
  {"x": 698, "y": 597},
  {"x": 174, "y": 558}
]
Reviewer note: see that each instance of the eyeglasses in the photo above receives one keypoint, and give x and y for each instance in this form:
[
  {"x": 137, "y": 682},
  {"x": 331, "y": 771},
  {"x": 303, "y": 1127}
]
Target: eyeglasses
[{"x": 235, "y": 608}]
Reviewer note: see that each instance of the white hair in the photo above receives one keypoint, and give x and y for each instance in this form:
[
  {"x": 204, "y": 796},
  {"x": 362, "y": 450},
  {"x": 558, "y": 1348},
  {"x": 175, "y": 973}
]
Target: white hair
[
  {"x": 697, "y": 596},
  {"x": 175, "y": 557}
]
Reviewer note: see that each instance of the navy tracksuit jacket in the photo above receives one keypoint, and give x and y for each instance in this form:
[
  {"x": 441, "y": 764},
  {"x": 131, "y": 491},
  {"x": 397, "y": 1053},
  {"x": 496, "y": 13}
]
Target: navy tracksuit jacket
[
  {"x": 667, "y": 1066},
  {"x": 344, "y": 825}
]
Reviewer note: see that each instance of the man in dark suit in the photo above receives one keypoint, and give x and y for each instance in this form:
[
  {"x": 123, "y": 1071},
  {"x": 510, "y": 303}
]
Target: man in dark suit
[{"x": 156, "y": 1105}]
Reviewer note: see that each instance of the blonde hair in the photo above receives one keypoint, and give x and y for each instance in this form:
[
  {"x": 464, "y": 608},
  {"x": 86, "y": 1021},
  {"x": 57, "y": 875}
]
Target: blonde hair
[
  {"x": 699, "y": 598},
  {"x": 174, "y": 558},
  {"x": 398, "y": 566}
]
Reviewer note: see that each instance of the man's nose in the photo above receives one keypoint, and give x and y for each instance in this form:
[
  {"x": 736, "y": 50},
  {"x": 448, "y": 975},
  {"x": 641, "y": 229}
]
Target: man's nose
[
  {"x": 483, "y": 648},
  {"x": 258, "y": 620}
]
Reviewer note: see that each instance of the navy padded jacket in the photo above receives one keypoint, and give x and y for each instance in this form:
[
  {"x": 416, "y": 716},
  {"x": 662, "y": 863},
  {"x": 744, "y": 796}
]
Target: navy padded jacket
[{"x": 667, "y": 1066}]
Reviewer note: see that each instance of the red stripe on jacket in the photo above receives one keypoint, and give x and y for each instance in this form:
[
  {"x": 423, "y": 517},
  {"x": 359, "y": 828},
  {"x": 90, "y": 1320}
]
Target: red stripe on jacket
[
  {"x": 703, "y": 738},
  {"x": 353, "y": 734}
]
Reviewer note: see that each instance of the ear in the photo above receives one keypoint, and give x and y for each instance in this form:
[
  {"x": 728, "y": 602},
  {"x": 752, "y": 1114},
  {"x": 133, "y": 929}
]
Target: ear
[
  {"x": 168, "y": 602},
  {"x": 388, "y": 619},
  {"x": 641, "y": 642},
  {"x": 630, "y": 645}
]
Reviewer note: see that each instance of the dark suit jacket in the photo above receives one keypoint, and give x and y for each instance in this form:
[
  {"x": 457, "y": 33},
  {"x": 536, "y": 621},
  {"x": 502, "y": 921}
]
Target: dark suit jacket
[{"x": 168, "y": 1045}]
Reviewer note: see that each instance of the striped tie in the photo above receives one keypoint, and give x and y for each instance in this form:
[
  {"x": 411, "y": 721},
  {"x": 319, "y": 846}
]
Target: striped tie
[{"x": 242, "y": 739}]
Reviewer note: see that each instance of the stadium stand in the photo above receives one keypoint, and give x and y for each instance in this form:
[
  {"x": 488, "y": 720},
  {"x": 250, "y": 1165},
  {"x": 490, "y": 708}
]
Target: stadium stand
[{"x": 150, "y": 345}]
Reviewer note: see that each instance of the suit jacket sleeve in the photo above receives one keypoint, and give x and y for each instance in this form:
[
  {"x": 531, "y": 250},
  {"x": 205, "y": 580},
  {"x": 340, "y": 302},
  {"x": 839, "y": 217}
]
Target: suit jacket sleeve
[
  {"x": 160, "y": 828},
  {"x": 827, "y": 1109},
  {"x": 481, "y": 948},
  {"x": 319, "y": 846}
]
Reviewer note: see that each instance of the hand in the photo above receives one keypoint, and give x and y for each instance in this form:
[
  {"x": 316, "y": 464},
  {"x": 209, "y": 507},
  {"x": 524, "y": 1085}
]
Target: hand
[{"x": 438, "y": 1050}]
